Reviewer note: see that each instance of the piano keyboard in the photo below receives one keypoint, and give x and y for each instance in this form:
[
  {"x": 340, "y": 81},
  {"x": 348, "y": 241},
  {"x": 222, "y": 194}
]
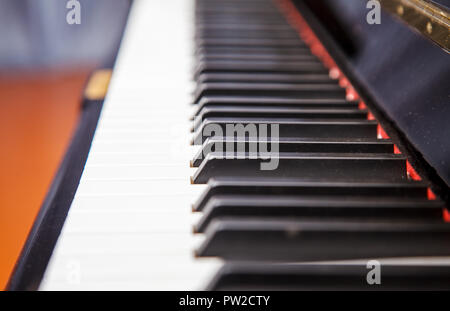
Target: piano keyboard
[{"x": 158, "y": 209}]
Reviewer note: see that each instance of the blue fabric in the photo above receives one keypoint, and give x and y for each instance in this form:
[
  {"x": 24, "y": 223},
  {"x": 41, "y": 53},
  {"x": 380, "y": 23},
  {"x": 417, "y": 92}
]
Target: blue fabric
[{"x": 36, "y": 33}]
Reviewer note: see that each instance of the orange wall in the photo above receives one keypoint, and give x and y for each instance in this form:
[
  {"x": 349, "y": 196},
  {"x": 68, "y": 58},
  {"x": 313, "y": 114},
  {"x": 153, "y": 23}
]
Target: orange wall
[{"x": 38, "y": 113}]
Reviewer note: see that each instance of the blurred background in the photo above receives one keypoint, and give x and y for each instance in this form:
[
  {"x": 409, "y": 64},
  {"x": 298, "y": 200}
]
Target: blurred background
[{"x": 44, "y": 64}]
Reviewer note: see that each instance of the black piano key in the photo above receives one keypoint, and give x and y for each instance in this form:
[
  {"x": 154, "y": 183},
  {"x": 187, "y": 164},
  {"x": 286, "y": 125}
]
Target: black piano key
[
  {"x": 212, "y": 101},
  {"x": 234, "y": 6},
  {"x": 254, "y": 57},
  {"x": 233, "y": 3},
  {"x": 247, "y": 27},
  {"x": 248, "y": 7},
  {"x": 265, "y": 78},
  {"x": 248, "y": 21},
  {"x": 227, "y": 8},
  {"x": 253, "y": 50},
  {"x": 259, "y": 276},
  {"x": 260, "y": 67},
  {"x": 295, "y": 128},
  {"x": 211, "y": 58},
  {"x": 337, "y": 166},
  {"x": 299, "y": 145},
  {"x": 253, "y": 53},
  {"x": 278, "y": 112},
  {"x": 259, "y": 42},
  {"x": 280, "y": 187},
  {"x": 252, "y": 207},
  {"x": 260, "y": 14},
  {"x": 245, "y": 34},
  {"x": 289, "y": 240},
  {"x": 348, "y": 196},
  {"x": 298, "y": 91}
]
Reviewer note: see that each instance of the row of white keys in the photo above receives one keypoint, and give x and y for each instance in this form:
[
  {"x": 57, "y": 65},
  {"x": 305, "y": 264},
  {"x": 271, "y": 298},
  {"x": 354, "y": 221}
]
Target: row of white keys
[{"x": 130, "y": 224}]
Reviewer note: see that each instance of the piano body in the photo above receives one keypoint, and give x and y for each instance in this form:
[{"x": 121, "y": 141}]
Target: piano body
[{"x": 356, "y": 118}]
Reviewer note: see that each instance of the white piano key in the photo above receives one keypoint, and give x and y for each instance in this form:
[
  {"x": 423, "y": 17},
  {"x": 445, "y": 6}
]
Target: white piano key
[
  {"x": 135, "y": 199},
  {"x": 133, "y": 220},
  {"x": 130, "y": 223},
  {"x": 107, "y": 246},
  {"x": 79, "y": 275},
  {"x": 135, "y": 171},
  {"x": 143, "y": 145},
  {"x": 155, "y": 185},
  {"x": 153, "y": 158},
  {"x": 93, "y": 268}
]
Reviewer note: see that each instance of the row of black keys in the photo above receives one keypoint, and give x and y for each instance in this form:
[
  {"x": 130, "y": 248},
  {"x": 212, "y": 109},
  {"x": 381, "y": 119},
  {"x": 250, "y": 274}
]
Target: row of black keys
[{"x": 338, "y": 193}]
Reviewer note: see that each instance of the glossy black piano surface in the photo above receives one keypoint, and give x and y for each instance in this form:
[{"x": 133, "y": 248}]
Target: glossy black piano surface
[
  {"x": 360, "y": 175},
  {"x": 405, "y": 73}
]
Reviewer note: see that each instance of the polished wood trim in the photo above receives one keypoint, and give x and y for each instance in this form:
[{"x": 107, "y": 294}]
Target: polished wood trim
[
  {"x": 426, "y": 17},
  {"x": 97, "y": 85}
]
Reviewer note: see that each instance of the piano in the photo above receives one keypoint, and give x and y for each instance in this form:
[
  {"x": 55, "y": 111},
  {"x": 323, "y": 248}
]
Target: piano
[{"x": 157, "y": 192}]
